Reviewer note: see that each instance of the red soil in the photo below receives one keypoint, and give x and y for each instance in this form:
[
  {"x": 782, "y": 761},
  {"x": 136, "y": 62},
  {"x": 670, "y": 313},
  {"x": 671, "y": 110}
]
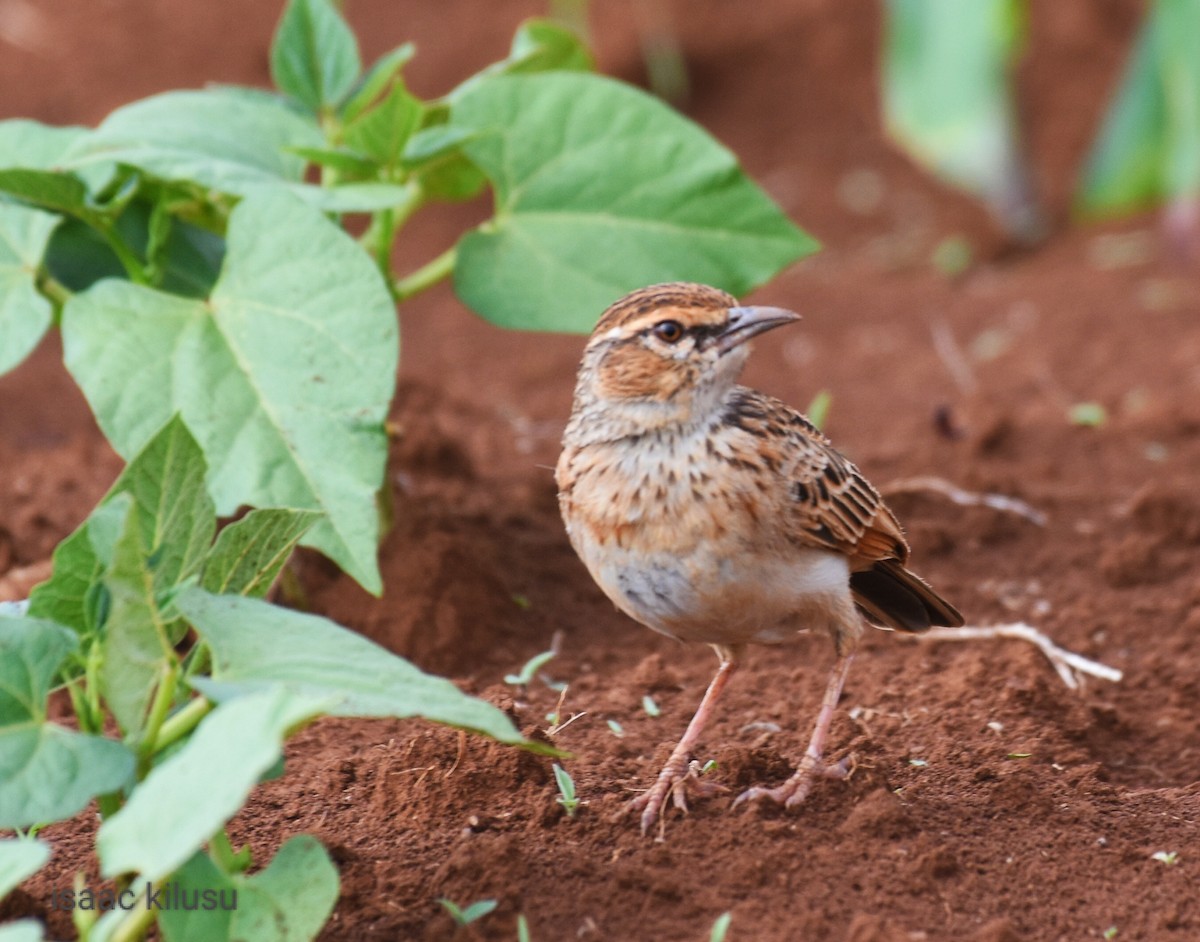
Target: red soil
[{"x": 989, "y": 802}]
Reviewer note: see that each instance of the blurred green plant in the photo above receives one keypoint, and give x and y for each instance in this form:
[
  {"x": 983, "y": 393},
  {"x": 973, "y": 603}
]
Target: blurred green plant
[
  {"x": 948, "y": 102},
  {"x": 1148, "y": 151}
]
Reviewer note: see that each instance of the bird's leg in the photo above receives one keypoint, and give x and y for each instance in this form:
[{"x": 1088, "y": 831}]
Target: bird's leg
[
  {"x": 796, "y": 789},
  {"x": 673, "y": 778}
]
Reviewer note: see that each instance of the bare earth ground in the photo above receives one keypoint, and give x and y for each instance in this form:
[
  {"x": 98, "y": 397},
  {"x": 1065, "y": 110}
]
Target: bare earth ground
[{"x": 989, "y": 803}]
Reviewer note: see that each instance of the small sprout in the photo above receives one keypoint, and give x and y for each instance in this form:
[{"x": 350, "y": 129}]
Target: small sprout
[
  {"x": 464, "y": 917},
  {"x": 1110, "y": 932},
  {"x": 919, "y": 763},
  {"x": 1019, "y": 755},
  {"x": 1168, "y": 858},
  {"x": 532, "y": 666},
  {"x": 617, "y": 729},
  {"x": 995, "y": 726},
  {"x": 709, "y": 766},
  {"x": 566, "y": 789},
  {"x": 522, "y": 928},
  {"x": 522, "y": 601},
  {"x": 720, "y": 928},
  {"x": 952, "y": 256},
  {"x": 650, "y": 706},
  {"x": 1087, "y": 414},
  {"x": 818, "y": 409}
]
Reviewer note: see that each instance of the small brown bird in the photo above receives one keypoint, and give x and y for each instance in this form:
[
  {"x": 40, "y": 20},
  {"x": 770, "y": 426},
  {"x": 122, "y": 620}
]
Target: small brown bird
[{"x": 711, "y": 512}]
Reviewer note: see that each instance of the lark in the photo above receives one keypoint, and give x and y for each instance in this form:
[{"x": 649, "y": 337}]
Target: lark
[{"x": 712, "y": 513}]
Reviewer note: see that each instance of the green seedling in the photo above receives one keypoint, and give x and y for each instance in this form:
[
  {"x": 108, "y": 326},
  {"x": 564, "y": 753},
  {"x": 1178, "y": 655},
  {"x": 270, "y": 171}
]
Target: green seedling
[
  {"x": 463, "y": 917},
  {"x": 1087, "y": 415},
  {"x": 522, "y": 929},
  {"x": 708, "y": 767},
  {"x": 1110, "y": 933},
  {"x": 617, "y": 729},
  {"x": 952, "y": 256},
  {"x": 650, "y": 706},
  {"x": 818, "y": 409},
  {"x": 1019, "y": 755},
  {"x": 529, "y": 671},
  {"x": 720, "y": 928},
  {"x": 1168, "y": 858},
  {"x": 566, "y": 790}
]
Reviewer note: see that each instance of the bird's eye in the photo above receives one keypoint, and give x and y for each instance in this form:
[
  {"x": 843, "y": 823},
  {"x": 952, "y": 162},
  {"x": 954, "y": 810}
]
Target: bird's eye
[{"x": 670, "y": 331}]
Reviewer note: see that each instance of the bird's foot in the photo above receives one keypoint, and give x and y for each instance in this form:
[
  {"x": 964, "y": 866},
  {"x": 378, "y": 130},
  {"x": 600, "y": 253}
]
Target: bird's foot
[
  {"x": 792, "y": 792},
  {"x": 677, "y": 778}
]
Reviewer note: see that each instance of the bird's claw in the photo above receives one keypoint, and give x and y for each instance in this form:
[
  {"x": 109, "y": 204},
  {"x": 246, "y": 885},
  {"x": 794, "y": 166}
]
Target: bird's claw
[
  {"x": 673, "y": 782},
  {"x": 797, "y": 788}
]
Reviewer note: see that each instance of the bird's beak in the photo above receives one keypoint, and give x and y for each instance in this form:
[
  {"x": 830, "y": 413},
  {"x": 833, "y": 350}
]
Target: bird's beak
[{"x": 747, "y": 322}]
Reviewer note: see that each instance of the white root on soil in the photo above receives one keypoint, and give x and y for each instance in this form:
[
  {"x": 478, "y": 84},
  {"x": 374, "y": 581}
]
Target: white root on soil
[
  {"x": 1068, "y": 664},
  {"x": 957, "y": 495}
]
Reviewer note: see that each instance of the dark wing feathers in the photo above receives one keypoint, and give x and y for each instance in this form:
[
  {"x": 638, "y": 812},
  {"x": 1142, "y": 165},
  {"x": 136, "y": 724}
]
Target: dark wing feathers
[{"x": 834, "y": 507}]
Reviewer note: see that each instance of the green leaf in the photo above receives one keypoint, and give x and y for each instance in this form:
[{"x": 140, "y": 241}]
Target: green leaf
[
  {"x": 30, "y": 651},
  {"x": 542, "y": 45},
  {"x": 289, "y": 901},
  {"x": 62, "y": 597},
  {"x": 284, "y": 375},
  {"x": 23, "y": 930},
  {"x": 24, "y": 313},
  {"x": 185, "y": 799},
  {"x": 249, "y": 554},
  {"x": 345, "y": 162},
  {"x": 255, "y": 644},
  {"x": 19, "y": 860},
  {"x": 947, "y": 97},
  {"x": 378, "y": 77},
  {"x": 382, "y": 132},
  {"x": 31, "y": 145},
  {"x": 47, "y": 773},
  {"x": 176, "y": 522},
  {"x": 539, "y": 45},
  {"x": 1148, "y": 149},
  {"x": 314, "y": 55},
  {"x": 176, "y": 518},
  {"x": 601, "y": 189},
  {"x": 138, "y": 644},
  {"x": 219, "y": 138},
  {"x": 34, "y": 145},
  {"x": 57, "y": 192}
]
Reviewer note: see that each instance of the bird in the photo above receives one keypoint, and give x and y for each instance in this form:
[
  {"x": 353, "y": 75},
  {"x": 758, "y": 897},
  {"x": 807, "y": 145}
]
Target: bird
[{"x": 712, "y": 513}]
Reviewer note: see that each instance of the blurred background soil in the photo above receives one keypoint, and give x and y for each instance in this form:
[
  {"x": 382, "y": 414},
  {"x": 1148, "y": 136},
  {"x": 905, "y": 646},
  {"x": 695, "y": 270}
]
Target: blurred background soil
[{"x": 989, "y": 802}]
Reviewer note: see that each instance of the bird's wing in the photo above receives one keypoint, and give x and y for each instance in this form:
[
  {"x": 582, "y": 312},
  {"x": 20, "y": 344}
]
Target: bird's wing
[{"x": 829, "y": 504}]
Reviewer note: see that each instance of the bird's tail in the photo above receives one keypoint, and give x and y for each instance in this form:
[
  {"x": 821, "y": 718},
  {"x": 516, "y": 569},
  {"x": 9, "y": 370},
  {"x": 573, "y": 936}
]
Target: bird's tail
[{"x": 888, "y": 594}]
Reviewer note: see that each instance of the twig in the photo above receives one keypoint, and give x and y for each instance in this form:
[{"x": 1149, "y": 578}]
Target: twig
[
  {"x": 966, "y": 498},
  {"x": 951, "y": 355},
  {"x": 1066, "y": 663}
]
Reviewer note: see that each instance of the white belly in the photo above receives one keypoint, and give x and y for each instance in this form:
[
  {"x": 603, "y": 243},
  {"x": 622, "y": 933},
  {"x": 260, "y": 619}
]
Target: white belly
[{"x": 726, "y": 600}]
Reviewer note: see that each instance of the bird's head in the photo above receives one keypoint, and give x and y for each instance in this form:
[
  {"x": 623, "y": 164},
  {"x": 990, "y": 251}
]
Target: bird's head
[{"x": 669, "y": 353}]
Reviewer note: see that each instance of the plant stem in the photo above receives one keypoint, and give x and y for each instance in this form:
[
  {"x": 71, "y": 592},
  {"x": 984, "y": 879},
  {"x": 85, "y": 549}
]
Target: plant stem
[
  {"x": 134, "y": 926},
  {"x": 127, "y": 257},
  {"x": 222, "y": 854},
  {"x": 58, "y": 293},
  {"x": 181, "y": 723},
  {"x": 164, "y": 696},
  {"x": 426, "y": 276}
]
